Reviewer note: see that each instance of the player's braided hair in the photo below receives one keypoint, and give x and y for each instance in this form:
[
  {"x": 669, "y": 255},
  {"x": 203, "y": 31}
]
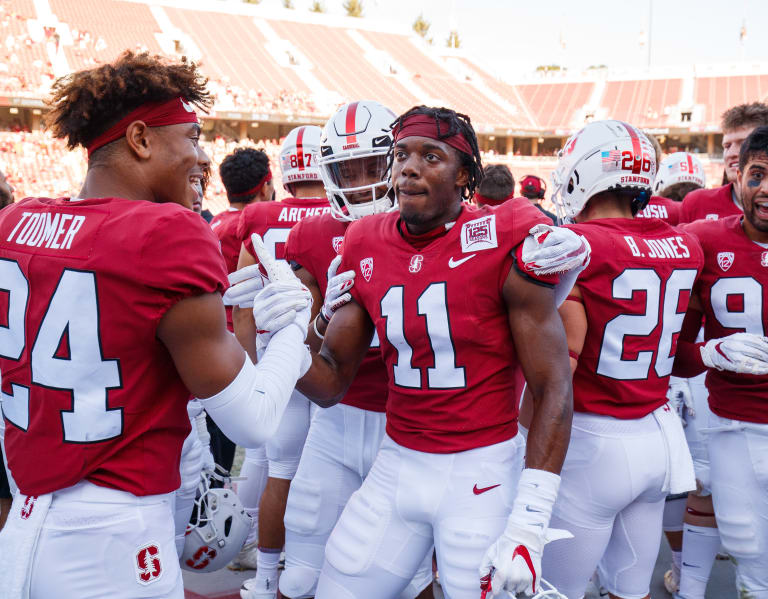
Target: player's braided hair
[
  {"x": 86, "y": 103},
  {"x": 459, "y": 124}
]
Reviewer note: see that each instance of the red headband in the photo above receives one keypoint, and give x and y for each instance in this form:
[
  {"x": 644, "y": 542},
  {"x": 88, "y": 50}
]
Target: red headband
[
  {"x": 252, "y": 190},
  {"x": 154, "y": 114},
  {"x": 481, "y": 199},
  {"x": 423, "y": 125}
]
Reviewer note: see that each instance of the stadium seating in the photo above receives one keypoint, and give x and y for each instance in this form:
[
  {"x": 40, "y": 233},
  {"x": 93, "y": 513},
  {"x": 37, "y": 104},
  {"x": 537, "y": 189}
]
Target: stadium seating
[
  {"x": 645, "y": 103},
  {"x": 557, "y": 106},
  {"x": 307, "y": 66}
]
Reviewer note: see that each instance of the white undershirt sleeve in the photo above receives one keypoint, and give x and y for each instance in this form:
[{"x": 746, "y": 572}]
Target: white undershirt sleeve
[{"x": 250, "y": 408}]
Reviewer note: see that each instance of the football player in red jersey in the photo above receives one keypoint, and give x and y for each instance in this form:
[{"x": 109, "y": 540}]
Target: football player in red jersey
[
  {"x": 273, "y": 221},
  {"x": 343, "y": 440},
  {"x": 248, "y": 178},
  {"x": 732, "y": 297},
  {"x": 6, "y": 198},
  {"x": 113, "y": 319},
  {"x": 439, "y": 283},
  {"x": 738, "y": 122},
  {"x": 689, "y": 523},
  {"x": 621, "y": 320}
]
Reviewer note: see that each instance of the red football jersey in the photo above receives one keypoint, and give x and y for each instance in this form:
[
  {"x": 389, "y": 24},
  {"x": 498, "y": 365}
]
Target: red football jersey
[
  {"x": 224, "y": 224},
  {"x": 443, "y": 324},
  {"x": 274, "y": 220},
  {"x": 313, "y": 243},
  {"x": 709, "y": 204},
  {"x": 663, "y": 208},
  {"x": 89, "y": 392},
  {"x": 635, "y": 292},
  {"x": 733, "y": 289}
]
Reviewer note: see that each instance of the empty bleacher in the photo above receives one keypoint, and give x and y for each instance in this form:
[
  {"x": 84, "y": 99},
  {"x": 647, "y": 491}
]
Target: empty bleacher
[
  {"x": 645, "y": 103},
  {"x": 557, "y": 106},
  {"x": 338, "y": 64},
  {"x": 233, "y": 51},
  {"x": 716, "y": 94},
  {"x": 102, "y": 29}
]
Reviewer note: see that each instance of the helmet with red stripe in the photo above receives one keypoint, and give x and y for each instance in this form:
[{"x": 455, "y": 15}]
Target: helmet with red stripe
[
  {"x": 353, "y": 159},
  {"x": 218, "y": 527},
  {"x": 603, "y": 156},
  {"x": 680, "y": 167},
  {"x": 298, "y": 156}
]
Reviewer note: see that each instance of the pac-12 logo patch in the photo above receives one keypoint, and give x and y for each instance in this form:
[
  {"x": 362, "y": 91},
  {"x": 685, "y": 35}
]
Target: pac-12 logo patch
[
  {"x": 725, "y": 260},
  {"x": 366, "y": 268},
  {"x": 415, "y": 265},
  {"x": 479, "y": 234},
  {"x": 337, "y": 243},
  {"x": 764, "y": 259},
  {"x": 148, "y": 566}
]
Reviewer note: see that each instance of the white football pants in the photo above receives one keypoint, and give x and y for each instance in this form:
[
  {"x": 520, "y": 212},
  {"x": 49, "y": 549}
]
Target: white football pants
[
  {"x": 98, "y": 542},
  {"x": 284, "y": 448},
  {"x": 612, "y": 500},
  {"x": 411, "y": 500},
  {"x": 739, "y": 465},
  {"x": 341, "y": 445}
]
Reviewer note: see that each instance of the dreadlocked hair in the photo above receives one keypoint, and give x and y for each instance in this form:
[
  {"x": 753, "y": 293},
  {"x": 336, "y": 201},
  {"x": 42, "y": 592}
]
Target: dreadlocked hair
[
  {"x": 86, "y": 103},
  {"x": 457, "y": 123}
]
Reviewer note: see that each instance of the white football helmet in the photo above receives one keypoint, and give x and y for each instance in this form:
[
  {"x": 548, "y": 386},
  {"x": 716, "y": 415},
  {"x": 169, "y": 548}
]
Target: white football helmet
[
  {"x": 218, "y": 528},
  {"x": 298, "y": 156},
  {"x": 603, "y": 156},
  {"x": 353, "y": 160},
  {"x": 680, "y": 167}
]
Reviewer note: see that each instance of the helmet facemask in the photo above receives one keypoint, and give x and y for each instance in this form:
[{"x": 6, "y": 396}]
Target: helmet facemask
[{"x": 357, "y": 186}]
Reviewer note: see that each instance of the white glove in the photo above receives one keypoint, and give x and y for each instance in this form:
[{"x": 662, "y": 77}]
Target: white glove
[
  {"x": 191, "y": 462},
  {"x": 513, "y": 562},
  {"x": 680, "y": 397},
  {"x": 244, "y": 285},
  {"x": 337, "y": 291},
  {"x": 246, "y": 282},
  {"x": 551, "y": 250},
  {"x": 201, "y": 425},
  {"x": 284, "y": 300},
  {"x": 280, "y": 304},
  {"x": 744, "y": 353}
]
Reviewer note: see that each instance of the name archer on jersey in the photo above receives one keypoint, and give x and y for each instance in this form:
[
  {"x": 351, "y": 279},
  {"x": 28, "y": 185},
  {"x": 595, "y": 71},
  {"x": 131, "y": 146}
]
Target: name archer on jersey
[
  {"x": 297, "y": 214},
  {"x": 664, "y": 247},
  {"x": 54, "y": 230}
]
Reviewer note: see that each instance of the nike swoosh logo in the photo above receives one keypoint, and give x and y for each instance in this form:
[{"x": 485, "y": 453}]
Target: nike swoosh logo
[
  {"x": 720, "y": 351},
  {"x": 528, "y": 508},
  {"x": 691, "y": 565},
  {"x": 454, "y": 263},
  {"x": 477, "y": 491}
]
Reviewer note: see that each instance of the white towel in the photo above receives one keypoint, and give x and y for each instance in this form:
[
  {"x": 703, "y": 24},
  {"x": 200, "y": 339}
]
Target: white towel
[
  {"x": 680, "y": 474},
  {"x": 18, "y": 541}
]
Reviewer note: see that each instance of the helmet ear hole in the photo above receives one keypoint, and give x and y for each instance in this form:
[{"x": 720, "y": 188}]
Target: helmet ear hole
[
  {"x": 227, "y": 526},
  {"x": 570, "y": 185}
]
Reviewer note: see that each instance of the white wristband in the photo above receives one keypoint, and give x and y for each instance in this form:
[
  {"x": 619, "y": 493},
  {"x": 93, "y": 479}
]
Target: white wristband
[{"x": 314, "y": 325}]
